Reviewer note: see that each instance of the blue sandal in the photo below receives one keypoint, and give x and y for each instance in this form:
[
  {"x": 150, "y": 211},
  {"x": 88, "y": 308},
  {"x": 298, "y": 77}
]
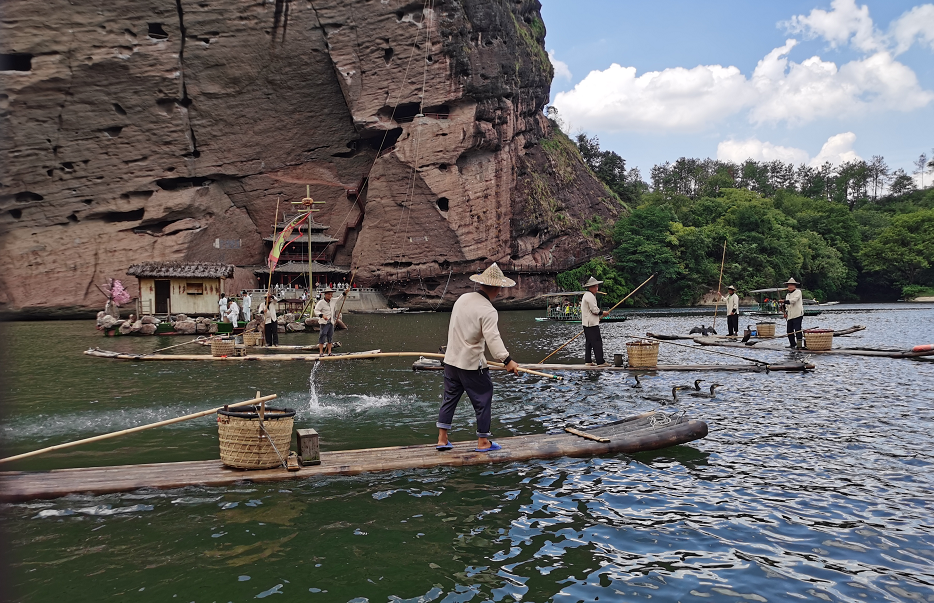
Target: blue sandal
[
  {"x": 443, "y": 447},
  {"x": 493, "y": 446}
]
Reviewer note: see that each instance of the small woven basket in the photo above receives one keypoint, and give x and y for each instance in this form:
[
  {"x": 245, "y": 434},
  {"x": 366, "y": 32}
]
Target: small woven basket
[
  {"x": 642, "y": 354},
  {"x": 223, "y": 347},
  {"x": 819, "y": 340},
  {"x": 245, "y": 444},
  {"x": 252, "y": 339},
  {"x": 765, "y": 329}
]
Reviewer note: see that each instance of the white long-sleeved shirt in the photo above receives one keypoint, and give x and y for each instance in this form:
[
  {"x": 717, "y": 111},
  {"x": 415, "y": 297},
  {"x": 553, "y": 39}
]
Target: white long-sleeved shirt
[
  {"x": 590, "y": 310},
  {"x": 794, "y": 304},
  {"x": 247, "y": 302},
  {"x": 732, "y": 304},
  {"x": 474, "y": 327},
  {"x": 233, "y": 311}
]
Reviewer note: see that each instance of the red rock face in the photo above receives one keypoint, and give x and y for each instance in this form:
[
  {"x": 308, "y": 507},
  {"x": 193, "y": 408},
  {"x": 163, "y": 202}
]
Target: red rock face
[{"x": 136, "y": 131}]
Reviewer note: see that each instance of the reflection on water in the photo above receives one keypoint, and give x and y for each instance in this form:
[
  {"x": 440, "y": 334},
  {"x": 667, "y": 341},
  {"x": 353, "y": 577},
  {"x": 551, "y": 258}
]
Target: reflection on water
[{"x": 810, "y": 486}]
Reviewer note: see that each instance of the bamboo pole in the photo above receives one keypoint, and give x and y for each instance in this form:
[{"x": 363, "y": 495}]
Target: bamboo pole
[
  {"x": 275, "y": 229},
  {"x": 490, "y": 362},
  {"x": 608, "y": 311},
  {"x": 716, "y": 307},
  {"x": 106, "y": 436}
]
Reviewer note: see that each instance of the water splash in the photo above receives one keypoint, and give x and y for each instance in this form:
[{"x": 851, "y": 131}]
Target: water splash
[{"x": 314, "y": 403}]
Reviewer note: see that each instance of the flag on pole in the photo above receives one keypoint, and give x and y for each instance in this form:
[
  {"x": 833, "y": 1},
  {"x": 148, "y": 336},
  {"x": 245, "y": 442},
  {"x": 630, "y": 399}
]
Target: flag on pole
[{"x": 280, "y": 240}]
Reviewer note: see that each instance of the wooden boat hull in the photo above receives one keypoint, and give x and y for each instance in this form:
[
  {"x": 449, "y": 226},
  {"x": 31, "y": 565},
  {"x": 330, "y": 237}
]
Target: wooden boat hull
[
  {"x": 645, "y": 432},
  {"x": 99, "y": 353}
]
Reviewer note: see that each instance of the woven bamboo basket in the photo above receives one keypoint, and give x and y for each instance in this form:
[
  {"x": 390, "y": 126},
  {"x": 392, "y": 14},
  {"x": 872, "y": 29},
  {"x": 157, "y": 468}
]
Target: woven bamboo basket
[
  {"x": 252, "y": 339},
  {"x": 642, "y": 354},
  {"x": 818, "y": 340},
  {"x": 223, "y": 347},
  {"x": 765, "y": 329},
  {"x": 244, "y": 444}
]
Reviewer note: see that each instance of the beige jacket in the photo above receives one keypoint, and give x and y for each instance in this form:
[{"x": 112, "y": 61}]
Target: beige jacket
[
  {"x": 794, "y": 304},
  {"x": 590, "y": 310},
  {"x": 732, "y": 304},
  {"x": 473, "y": 328}
]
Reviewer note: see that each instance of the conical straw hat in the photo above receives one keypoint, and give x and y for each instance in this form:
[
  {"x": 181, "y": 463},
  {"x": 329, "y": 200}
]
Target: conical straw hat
[
  {"x": 493, "y": 277},
  {"x": 592, "y": 282}
]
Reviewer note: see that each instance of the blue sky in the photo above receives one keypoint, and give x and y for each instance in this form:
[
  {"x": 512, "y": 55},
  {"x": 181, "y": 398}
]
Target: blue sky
[{"x": 797, "y": 81}]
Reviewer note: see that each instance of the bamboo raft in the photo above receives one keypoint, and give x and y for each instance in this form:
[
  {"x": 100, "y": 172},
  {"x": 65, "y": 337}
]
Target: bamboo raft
[
  {"x": 740, "y": 368},
  {"x": 644, "y": 432},
  {"x": 878, "y": 353},
  {"x": 99, "y": 353},
  {"x": 663, "y": 337}
]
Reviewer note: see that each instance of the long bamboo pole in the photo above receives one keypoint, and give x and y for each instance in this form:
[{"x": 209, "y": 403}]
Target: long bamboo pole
[
  {"x": 275, "y": 229},
  {"x": 490, "y": 362},
  {"x": 610, "y": 310},
  {"x": 106, "y": 436},
  {"x": 716, "y": 307}
]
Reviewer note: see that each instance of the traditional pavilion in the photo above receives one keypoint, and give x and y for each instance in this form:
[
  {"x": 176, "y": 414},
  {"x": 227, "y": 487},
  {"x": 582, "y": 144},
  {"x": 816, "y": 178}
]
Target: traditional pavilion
[
  {"x": 180, "y": 287},
  {"x": 293, "y": 267}
]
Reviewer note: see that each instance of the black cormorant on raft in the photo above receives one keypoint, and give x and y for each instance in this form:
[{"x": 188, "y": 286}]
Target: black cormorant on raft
[{"x": 648, "y": 431}]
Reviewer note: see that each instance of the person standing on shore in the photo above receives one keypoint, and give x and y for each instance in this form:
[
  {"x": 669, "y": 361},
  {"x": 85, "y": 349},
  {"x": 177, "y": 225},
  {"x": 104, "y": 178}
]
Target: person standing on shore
[
  {"x": 732, "y": 312},
  {"x": 794, "y": 314},
  {"x": 222, "y": 306},
  {"x": 247, "y": 306},
  {"x": 267, "y": 310},
  {"x": 474, "y": 327},
  {"x": 590, "y": 319}
]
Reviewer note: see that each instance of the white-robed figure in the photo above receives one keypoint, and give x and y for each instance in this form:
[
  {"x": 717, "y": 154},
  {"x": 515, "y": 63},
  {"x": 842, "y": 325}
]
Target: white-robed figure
[
  {"x": 222, "y": 306},
  {"x": 233, "y": 313},
  {"x": 247, "y": 306}
]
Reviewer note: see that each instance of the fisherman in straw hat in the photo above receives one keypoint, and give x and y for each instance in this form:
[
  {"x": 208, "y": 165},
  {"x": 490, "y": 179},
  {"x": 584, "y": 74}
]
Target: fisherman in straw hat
[
  {"x": 794, "y": 314},
  {"x": 732, "y": 312},
  {"x": 473, "y": 327},
  {"x": 590, "y": 319},
  {"x": 326, "y": 311}
]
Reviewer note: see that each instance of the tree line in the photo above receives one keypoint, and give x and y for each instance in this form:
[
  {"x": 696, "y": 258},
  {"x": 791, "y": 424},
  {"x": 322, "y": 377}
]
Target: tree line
[{"x": 858, "y": 230}]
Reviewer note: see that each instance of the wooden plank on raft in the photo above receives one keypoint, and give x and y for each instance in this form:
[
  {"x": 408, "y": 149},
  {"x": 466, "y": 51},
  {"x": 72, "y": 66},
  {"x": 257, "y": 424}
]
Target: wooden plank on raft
[
  {"x": 709, "y": 341},
  {"x": 98, "y": 353},
  {"x": 740, "y": 368},
  {"x": 634, "y": 435}
]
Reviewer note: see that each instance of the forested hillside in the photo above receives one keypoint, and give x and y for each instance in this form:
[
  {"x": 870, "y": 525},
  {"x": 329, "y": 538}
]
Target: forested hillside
[{"x": 848, "y": 232}]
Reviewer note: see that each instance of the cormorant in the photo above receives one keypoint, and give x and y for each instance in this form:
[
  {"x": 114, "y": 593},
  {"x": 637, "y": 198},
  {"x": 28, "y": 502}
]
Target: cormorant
[
  {"x": 712, "y": 394},
  {"x": 672, "y": 400},
  {"x": 637, "y": 384}
]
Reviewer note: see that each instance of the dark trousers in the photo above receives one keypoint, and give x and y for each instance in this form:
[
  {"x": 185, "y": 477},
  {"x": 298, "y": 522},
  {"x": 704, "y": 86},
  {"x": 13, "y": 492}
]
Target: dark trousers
[
  {"x": 732, "y": 324},
  {"x": 794, "y": 324},
  {"x": 479, "y": 388},
  {"x": 272, "y": 333},
  {"x": 593, "y": 342}
]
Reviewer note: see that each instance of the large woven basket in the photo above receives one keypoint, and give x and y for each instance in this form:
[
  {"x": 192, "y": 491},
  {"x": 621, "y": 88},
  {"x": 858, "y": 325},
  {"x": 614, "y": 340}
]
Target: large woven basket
[
  {"x": 642, "y": 354},
  {"x": 245, "y": 444},
  {"x": 223, "y": 347},
  {"x": 818, "y": 340},
  {"x": 765, "y": 329},
  {"x": 252, "y": 339}
]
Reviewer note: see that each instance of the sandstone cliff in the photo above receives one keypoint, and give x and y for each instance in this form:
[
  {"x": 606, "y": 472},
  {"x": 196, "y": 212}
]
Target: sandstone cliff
[{"x": 146, "y": 130}]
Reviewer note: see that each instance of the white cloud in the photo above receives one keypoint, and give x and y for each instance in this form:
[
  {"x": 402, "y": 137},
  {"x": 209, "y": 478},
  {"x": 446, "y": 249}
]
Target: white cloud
[
  {"x": 845, "y": 22},
  {"x": 561, "y": 68},
  {"x": 739, "y": 151},
  {"x": 780, "y": 90},
  {"x": 838, "y": 149},
  {"x": 915, "y": 25},
  {"x": 674, "y": 99},
  {"x": 813, "y": 89}
]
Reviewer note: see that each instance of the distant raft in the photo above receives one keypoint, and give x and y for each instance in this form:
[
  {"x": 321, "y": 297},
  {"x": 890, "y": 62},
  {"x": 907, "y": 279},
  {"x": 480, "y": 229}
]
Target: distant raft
[
  {"x": 640, "y": 433},
  {"x": 429, "y": 364}
]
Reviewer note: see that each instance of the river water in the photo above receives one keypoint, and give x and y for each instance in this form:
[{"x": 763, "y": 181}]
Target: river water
[{"x": 812, "y": 487}]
